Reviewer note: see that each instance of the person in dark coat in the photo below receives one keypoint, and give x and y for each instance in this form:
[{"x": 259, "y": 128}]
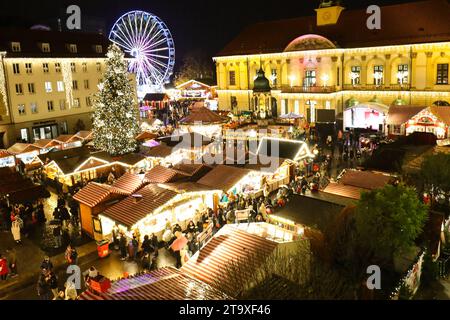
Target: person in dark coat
[
  {"x": 52, "y": 282},
  {"x": 47, "y": 264},
  {"x": 123, "y": 246},
  {"x": 146, "y": 245},
  {"x": 43, "y": 288},
  {"x": 191, "y": 227},
  {"x": 145, "y": 261}
]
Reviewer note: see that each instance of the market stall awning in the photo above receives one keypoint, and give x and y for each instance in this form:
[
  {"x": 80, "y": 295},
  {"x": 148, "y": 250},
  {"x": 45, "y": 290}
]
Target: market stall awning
[
  {"x": 162, "y": 284},
  {"x": 68, "y": 138},
  {"x": 133, "y": 209},
  {"x": 232, "y": 248},
  {"x": 224, "y": 177},
  {"x": 85, "y": 135}
]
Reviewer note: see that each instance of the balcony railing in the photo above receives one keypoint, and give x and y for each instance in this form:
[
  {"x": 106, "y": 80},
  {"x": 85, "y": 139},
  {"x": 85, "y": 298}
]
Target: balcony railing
[
  {"x": 308, "y": 89},
  {"x": 374, "y": 87}
]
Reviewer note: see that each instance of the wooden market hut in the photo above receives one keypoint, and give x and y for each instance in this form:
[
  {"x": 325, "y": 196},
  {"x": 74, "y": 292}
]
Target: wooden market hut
[
  {"x": 68, "y": 141},
  {"x": 6, "y": 158}
]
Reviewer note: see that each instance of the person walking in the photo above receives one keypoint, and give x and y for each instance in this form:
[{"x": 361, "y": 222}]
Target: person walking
[
  {"x": 16, "y": 226},
  {"x": 52, "y": 282},
  {"x": 3, "y": 267},
  {"x": 12, "y": 259},
  {"x": 123, "y": 246},
  {"x": 43, "y": 289},
  {"x": 47, "y": 264}
]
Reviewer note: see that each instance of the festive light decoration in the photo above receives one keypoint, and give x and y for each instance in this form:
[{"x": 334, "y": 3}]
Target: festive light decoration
[
  {"x": 115, "y": 111},
  {"x": 145, "y": 37},
  {"x": 68, "y": 81},
  {"x": 3, "y": 84}
]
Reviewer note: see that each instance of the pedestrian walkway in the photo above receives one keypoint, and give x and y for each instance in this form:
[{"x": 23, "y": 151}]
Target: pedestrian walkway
[{"x": 29, "y": 258}]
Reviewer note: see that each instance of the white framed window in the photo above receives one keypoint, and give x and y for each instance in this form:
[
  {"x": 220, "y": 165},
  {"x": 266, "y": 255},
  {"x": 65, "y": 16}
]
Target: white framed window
[
  {"x": 99, "y": 66},
  {"x": 62, "y": 104},
  {"x": 28, "y": 68},
  {"x": 75, "y": 85},
  {"x": 88, "y": 102},
  {"x": 86, "y": 84},
  {"x": 16, "y": 68},
  {"x": 45, "y": 67},
  {"x": 73, "y": 67},
  {"x": 84, "y": 66},
  {"x": 19, "y": 89},
  {"x": 60, "y": 86},
  {"x": 48, "y": 87},
  {"x": 355, "y": 75},
  {"x": 45, "y": 47},
  {"x": 21, "y": 109},
  {"x": 31, "y": 89},
  {"x": 33, "y": 107},
  {"x": 50, "y": 106},
  {"x": 76, "y": 102},
  {"x": 15, "y": 47},
  {"x": 98, "y": 48},
  {"x": 72, "y": 48},
  {"x": 58, "y": 67},
  {"x": 378, "y": 75}
]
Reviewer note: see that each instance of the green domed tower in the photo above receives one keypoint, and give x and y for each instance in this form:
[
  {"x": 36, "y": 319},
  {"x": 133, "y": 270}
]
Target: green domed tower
[{"x": 262, "y": 96}]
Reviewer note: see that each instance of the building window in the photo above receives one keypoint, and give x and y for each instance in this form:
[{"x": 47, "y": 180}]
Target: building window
[
  {"x": 88, "y": 102},
  {"x": 73, "y": 67},
  {"x": 232, "y": 76},
  {"x": 99, "y": 66},
  {"x": 234, "y": 102},
  {"x": 442, "y": 73},
  {"x": 76, "y": 102},
  {"x": 45, "y": 67},
  {"x": 15, "y": 47},
  {"x": 274, "y": 77},
  {"x": 19, "y": 89},
  {"x": 48, "y": 87},
  {"x": 86, "y": 84},
  {"x": 63, "y": 128},
  {"x": 62, "y": 104},
  {"x": 34, "y": 108},
  {"x": 31, "y": 88},
  {"x": 50, "y": 106},
  {"x": 58, "y": 67},
  {"x": 402, "y": 74},
  {"x": 21, "y": 109},
  {"x": 338, "y": 76},
  {"x": 24, "y": 134},
  {"x": 16, "y": 68},
  {"x": 75, "y": 85},
  {"x": 45, "y": 47},
  {"x": 378, "y": 75},
  {"x": 355, "y": 75},
  {"x": 98, "y": 48},
  {"x": 310, "y": 78},
  {"x": 84, "y": 66},
  {"x": 28, "y": 68},
  {"x": 60, "y": 86},
  {"x": 72, "y": 48}
]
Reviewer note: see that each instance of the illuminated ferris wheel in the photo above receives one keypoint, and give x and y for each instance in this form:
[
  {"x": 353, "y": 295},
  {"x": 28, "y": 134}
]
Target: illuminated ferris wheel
[{"x": 148, "y": 40}]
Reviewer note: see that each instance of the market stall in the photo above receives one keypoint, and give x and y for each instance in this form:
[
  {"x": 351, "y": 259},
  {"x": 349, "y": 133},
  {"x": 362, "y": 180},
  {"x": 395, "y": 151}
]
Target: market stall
[
  {"x": 25, "y": 152},
  {"x": 6, "y": 159},
  {"x": 68, "y": 141}
]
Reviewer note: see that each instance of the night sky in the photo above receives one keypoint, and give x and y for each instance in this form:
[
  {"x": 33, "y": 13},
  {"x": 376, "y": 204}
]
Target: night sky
[{"x": 194, "y": 24}]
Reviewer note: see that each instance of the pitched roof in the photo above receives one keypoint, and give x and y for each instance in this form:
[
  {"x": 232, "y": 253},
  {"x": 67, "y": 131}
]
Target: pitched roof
[
  {"x": 5, "y": 153},
  {"x": 230, "y": 245},
  {"x": 398, "y": 115},
  {"x": 344, "y": 190},
  {"x": 160, "y": 151},
  {"x": 365, "y": 179},
  {"x": 146, "y": 135},
  {"x": 66, "y": 138},
  {"x": 160, "y": 174},
  {"x": 84, "y": 134},
  {"x": 187, "y": 140},
  {"x": 442, "y": 113},
  {"x": 128, "y": 183},
  {"x": 46, "y": 143},
  {"x": 19, "y": 148},
  {"x": 93, "y": 194},
  {"x": 283, "y": 148},
  {"x": 204, "y": 116},
  {"x": 131, "y": 210},
  {"x": 430, "y": 25},
  {"x": 162, "y": 284},
  {"x": 189, "y": 169},
  {"x": 223, "y": 177},
  {"x": 185, "y": 187},
  {"x": 156, "y": 97}
]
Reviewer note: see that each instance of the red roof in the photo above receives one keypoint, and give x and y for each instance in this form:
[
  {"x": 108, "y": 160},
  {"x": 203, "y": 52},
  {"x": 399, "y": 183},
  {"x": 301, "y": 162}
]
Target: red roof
[
  {"x": 66, "y": 138},
  {"x": 399, "y": 115},
  {"x": 93, "y": 194},
  {"x": 131, "y": 210},
  {"x": 19, "y": 148},
  {"x": 128, "y": 183},
  {"x": 160, "y": 174},
  {"x": 223, "y": 177},
  {"x": 365, "y": 179},
  {"x": 244, "y": 250},
  {"x": 416, "y": 22},
  {"x": 5, "y": 153},
  {"x": 162, "y": 284},
  {"x": 203, "y": 115},
  {"x": 146, "y": 135},
  {"x": 46, "y": 143},
  {"x": 343, "y": 190}
]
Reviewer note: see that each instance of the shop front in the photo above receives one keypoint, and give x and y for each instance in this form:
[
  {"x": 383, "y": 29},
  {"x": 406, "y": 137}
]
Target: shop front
[
  {"x": 425, "y": 121},
  {"x": 366, "y": 115},
  {"x": 6, "y": 159}
]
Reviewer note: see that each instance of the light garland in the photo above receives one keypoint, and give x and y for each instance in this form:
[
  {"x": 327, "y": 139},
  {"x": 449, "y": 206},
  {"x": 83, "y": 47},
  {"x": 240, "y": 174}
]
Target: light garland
[
  {"x": 67, "y": 79},
  {"x": 3, "y": 83}
]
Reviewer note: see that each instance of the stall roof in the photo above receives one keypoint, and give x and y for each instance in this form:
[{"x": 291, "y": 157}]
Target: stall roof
[
  {"x": 310, "y": 211},
  {"x": 19, "y": 148},
  {"x": 399, "y": 115},
  {"x": 224, "y": 177},
  {"x": 344, "y": 190},
  {"x": 129, "y": 183},
  {"x": 186, "y": 187},
  {"x": 163, "y": 284},
  {"x": 146, "y": 135},
  {"x": 192, "y": 170},
  {"x": 161, "y": 151},
  {"x": 133, "y": 209},
  {"x": 84, "y": 134},
  {"x": 66, "y": 138},
  {"x": 365, "y": 179},
  {"x": 46, "y": 143},
  {"x": 203, "y": 115},
  {"x": 246, "y": 250},
  {"x": 93, "y": 194},
  {"x": 160, "y": 174},
  {"x": 5, "y": 153},
  {"x": 442, "y": 113},
  {"x": 265, "y": 164},
  {"x": 186, "y": 140},
  {"x": 283, "y": 148}
]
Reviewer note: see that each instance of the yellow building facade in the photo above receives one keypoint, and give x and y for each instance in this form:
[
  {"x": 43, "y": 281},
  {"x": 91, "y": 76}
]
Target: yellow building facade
[{"x": 313, "y": 71}]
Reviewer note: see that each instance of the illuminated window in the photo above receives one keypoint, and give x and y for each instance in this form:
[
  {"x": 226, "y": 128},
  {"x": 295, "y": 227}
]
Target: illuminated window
[
  {"x": 73, "y": 67},
  {"x": 310, "y": 78},
  {"x": 76, "y": 102},
  {"x": 75, "y": 85},
  {"x": 355, "y": 75},
  {"x": 33, "y": 107},
  {"x": 45, "y": 47},
  {"x": 88, "y": 101},
  {"x": 48, "y": 87},
  {"x": 402, "y": 75},
  {"x": 86, "y": 84},
  {"x": 442, "y": 73},
  {"x": 274, "y": 77},
  {"x": 60, "y": 86},
  {"x": 84, "y": 66},
  {"x": 98, "y": 48},
  {"x": 99, "y": 66},
  {"x": 232, "y": 77},
  {"x": 21, "y": 109},
  {"x": 72, "y": 48},
  {"x": 378, "y": 75}
]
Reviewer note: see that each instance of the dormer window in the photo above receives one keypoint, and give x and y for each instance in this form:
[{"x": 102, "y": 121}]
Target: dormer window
[
  {"x": 45, "y": 47},
  {"x": 98, "y": 48},
  {"x": 72, "y": 48},
  {"x": 15, "y": 47}
]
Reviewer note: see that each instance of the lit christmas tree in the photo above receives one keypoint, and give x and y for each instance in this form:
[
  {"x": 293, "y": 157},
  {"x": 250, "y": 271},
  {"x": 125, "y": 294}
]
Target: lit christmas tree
[{"x": 115, "y": 119}]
